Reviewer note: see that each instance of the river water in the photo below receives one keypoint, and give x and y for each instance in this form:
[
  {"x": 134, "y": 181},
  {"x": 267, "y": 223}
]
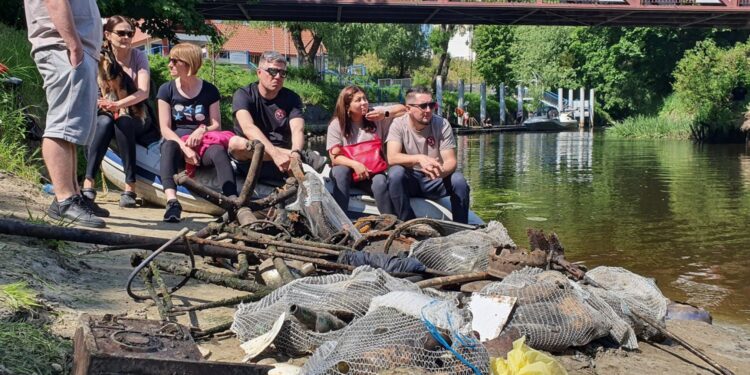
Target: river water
[{"x": 670, "y": 210}]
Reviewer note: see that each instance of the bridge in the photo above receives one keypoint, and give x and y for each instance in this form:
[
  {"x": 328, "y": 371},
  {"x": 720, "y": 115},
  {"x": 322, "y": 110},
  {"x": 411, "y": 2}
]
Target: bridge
[{"x": 734, "y": 14}]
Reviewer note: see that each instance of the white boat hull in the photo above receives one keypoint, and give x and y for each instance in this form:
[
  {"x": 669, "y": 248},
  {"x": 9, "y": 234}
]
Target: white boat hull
[{"x": 149, "y": 187}]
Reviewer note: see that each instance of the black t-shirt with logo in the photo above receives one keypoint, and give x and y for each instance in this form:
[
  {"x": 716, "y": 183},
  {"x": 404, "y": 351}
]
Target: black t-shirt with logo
[
  {"x": 189, "y": 113},
  {"x": 270, "y": 116}
]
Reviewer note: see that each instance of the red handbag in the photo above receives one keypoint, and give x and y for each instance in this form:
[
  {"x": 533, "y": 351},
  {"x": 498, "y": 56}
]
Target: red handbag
[{"x": 367, "y": 153}]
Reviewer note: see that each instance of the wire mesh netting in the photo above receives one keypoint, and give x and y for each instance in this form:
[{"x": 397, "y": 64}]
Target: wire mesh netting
[
  {"x": 336, "y": 294},
  {"x": 464, "y": 251},
  {"x": 630, "y": 295},
  {"x": 554, "y": 313},
  {"x": 406, "y": 331}
]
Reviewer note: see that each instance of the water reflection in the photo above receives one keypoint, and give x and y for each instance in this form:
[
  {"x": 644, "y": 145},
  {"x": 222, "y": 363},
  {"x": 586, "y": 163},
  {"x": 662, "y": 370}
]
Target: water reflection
[{"x": 665, "y": 209}]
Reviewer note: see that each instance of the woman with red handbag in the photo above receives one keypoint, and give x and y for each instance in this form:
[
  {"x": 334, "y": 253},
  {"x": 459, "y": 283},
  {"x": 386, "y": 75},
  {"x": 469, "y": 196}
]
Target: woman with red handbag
[{"x": 355, "y": 144}]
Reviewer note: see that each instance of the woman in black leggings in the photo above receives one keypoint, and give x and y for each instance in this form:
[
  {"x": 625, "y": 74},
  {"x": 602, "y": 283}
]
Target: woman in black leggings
[
  {"x": 127, "y": 130},
  {"x": 188, "y": 108}
]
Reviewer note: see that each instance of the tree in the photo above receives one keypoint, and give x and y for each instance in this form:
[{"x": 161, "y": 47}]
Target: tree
[
  {"x": 438, "y": 40},
  {"x": 541, "y": 57},
  {"x": 161, "y": 18},
  {"x": 492, "y": 47},
  {"x": 401, "y": 47},
  {"x": 344, "y": 43}
]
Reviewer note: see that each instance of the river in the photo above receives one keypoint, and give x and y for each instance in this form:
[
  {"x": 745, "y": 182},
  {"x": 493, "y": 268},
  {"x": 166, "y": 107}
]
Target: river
[{"x": 670, "y": 210}]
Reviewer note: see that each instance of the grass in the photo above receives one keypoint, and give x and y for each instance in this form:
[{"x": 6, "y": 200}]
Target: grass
[
  {"x": 17, "y": 297},
  {"x": 31, "y": 349},
  {"x": 653, "y": 127},
  {"x": 673, "y": 122},
  {"x": 15, "y": 156}
]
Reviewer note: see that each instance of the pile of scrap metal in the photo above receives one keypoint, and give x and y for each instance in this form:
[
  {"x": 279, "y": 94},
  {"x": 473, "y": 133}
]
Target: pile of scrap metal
[{"x": 377, "y": 294}]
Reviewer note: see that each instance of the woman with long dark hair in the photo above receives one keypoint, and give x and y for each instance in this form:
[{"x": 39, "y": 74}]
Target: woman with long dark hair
[
  {"x": 355, "y": 128},
  {"x": 112, "y": 121}
]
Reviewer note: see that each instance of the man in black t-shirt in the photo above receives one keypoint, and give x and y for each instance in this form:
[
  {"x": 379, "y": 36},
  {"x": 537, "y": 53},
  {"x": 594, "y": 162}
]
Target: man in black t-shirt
[{"x": 272, "y": 114}]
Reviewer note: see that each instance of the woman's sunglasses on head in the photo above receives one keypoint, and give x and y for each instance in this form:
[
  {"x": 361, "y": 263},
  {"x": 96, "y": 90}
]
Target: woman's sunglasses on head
[
  {"x": 274, "y": 71},
  {"x": 123, "y": 33},
  {"x": 424, "y": 106}
]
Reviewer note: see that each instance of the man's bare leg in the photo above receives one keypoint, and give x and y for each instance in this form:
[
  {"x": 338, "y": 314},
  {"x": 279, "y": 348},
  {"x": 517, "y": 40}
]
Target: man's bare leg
[{"x": 57, "y": 157}]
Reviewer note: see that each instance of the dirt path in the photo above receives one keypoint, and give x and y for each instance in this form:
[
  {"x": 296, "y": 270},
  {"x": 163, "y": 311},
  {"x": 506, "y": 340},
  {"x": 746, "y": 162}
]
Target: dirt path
[{"x": 96, "y": 284}]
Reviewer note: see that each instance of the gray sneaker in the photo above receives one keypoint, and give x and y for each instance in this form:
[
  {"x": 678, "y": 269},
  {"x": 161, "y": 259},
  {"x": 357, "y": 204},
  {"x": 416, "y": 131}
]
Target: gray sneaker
[
  {"x": 314, "y": 159},
  {"x": 76, "y": 210}
]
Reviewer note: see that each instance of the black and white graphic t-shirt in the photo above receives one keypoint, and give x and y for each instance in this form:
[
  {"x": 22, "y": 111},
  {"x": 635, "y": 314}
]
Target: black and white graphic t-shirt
[
  {"x": 270, "y": 116},
  {"x": 187, "y": 113}
]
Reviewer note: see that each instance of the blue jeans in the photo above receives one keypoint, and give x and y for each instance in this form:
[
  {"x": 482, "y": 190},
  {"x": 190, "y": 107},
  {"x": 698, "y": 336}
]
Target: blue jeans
[
  {"x": 405, "y": 183},
  {"x": 377, "y": 186}
]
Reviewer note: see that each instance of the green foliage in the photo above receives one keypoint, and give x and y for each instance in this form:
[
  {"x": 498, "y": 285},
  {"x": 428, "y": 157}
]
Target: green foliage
[
  {"x": 492, "y": 46},
  {"x": 656, "y": 127},
  {"x": 161, "y": 18},
  {"x": 15, "y": 155},
  {"x": 304, "y": 73},
  {"x": 18, "y": 297},
  {"x": 541, "y": 57},
  {"x": 401, "y": 48},
  {"x": 705, "y": 77},
  {"x": 30, "y": 349},
  {"x": 344, "y": 43}
]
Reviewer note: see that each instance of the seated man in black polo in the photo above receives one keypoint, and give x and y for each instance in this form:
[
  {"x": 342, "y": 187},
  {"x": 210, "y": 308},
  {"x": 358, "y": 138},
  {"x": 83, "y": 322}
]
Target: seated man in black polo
[{"x": 272, "y": 114}]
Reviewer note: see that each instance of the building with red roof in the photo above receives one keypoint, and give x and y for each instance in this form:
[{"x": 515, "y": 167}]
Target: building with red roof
[{"x": 244, "y": 45}]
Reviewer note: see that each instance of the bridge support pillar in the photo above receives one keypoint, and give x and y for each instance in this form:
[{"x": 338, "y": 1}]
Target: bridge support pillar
[
  {"x": 501, "y": 102},
  {"x": 482, "y": 102},
  {"x": 439, "y": 95},
  {"x": 581, "y": 108},
  {"x": 591, "y": 108},
  {"x": 460, "y": 102},
  {"x": 520, "y": 104}
]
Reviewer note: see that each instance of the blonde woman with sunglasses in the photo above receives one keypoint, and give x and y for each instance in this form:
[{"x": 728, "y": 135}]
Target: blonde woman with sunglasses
[{"x": 189, "y": 108}]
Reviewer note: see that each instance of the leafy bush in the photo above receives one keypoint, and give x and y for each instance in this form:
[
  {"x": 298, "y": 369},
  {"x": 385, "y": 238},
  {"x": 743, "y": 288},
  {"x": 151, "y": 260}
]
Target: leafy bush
[{"x": 705, "y": 78}]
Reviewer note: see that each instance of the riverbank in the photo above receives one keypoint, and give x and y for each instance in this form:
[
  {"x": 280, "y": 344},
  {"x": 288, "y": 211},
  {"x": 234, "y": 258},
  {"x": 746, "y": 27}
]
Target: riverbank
[{"x": 69, "y": 285}]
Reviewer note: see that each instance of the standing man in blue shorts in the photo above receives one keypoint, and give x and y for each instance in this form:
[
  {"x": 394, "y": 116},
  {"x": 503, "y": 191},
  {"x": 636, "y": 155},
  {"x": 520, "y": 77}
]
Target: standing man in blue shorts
[{"x": 66, "y": 37}]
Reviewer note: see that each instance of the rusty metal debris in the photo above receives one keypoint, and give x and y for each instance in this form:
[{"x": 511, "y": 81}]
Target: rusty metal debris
[{"x": 115, "y": 345}]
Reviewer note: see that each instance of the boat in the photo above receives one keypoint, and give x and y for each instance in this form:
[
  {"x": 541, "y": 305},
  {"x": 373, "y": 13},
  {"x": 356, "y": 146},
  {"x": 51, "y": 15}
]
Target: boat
[
  {"x": 150, "y": 189},
  {"x": 548, "y": 118}
]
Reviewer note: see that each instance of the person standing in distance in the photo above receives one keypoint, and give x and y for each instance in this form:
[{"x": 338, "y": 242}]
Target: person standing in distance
[
  {"x": 270, "y": 113},
  {"x": 66, "y": 36}
]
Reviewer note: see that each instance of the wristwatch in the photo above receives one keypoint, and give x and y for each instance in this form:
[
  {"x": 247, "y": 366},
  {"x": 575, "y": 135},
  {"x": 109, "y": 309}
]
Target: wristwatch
[{"x": 387, "y": 114}]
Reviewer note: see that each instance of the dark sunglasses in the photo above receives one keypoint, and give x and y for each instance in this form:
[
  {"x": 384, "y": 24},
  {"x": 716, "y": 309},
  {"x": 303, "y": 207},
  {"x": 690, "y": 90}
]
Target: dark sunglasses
[
  {"x": 175, "y": 61},
  {"x": 122, "y": 33},
  {"x": 424, "y": 106},
  {"x": 274, "y": 71}
]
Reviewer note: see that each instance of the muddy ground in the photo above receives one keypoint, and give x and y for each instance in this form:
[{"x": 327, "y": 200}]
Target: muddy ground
[{"x": 72, "y": 285}]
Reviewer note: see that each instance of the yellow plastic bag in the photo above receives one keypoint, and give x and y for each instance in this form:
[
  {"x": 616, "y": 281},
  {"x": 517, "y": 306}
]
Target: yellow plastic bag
[{"x": 523, "y": 360}]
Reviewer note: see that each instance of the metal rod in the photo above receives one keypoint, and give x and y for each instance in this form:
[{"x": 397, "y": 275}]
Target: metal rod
[
  {"x": 267, "y": 253},
  {"x": 204, "y": 192},
  {"x": 453, "y": 279},
  {"x": 221, "y": 303},
  {"x": 252, "y": 175}
]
